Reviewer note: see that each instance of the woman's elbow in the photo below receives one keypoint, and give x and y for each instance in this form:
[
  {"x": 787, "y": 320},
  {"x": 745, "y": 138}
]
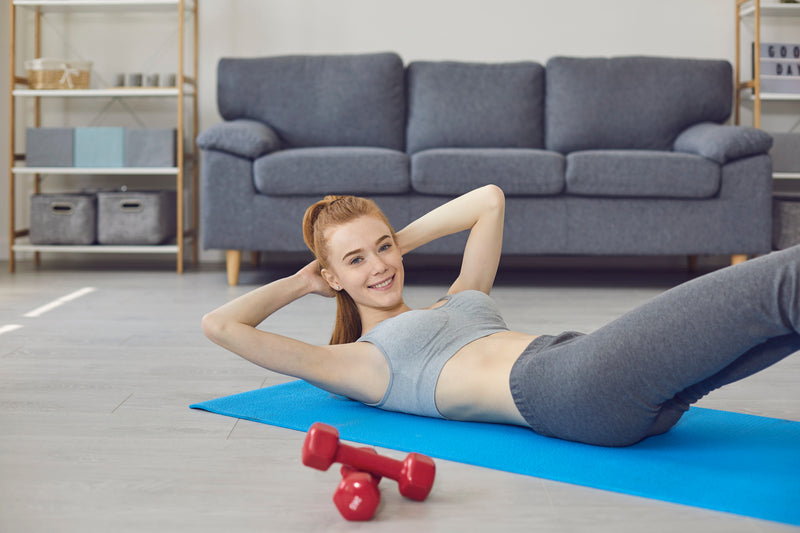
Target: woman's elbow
[
  {"x": 495, "y": 198},
  {"x": 213, "y": 327}
]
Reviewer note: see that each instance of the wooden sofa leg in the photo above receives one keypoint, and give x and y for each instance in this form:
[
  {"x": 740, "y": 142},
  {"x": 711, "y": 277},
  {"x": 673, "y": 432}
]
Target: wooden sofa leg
[
  {"x": 738, "y": 258},
  {"x": 233, "y": 262}
]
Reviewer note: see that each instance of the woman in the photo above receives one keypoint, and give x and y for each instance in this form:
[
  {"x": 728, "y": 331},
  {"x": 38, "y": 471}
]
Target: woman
[{"x": 456, "y": 359}]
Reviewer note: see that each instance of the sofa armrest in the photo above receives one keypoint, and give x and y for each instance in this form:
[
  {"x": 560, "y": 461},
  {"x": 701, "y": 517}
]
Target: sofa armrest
[
  {"x": 723, "y": 143},
  {"x": 244, "y": 138}
]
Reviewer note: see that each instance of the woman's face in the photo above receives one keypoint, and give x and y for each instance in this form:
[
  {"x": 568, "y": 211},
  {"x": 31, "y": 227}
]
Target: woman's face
[{"x": 364, "y": 260}]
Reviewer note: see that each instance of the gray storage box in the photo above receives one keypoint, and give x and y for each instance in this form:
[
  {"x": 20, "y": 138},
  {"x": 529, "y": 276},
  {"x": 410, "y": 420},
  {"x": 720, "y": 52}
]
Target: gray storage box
[
  {"x": 49, "y": 147},
  {"x": 63, "y": 219},
  {"x": 785, "y": 152},
  {"x": 150, "y": 147},
  {"x": 785, "y": 220},
  {"x": 136, "y": 217}
]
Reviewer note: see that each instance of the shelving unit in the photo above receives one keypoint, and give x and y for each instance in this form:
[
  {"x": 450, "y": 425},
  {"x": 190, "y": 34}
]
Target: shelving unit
[
  {"x": 744, "y": 10},
  {"x": 184, "y": 174}
]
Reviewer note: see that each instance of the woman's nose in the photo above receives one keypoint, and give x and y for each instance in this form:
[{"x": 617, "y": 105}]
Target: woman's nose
[{"x": 378, "y": 265}]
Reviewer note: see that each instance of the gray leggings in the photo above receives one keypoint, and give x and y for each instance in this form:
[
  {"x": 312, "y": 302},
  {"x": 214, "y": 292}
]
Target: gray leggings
[{"x": 635, "y": 377}]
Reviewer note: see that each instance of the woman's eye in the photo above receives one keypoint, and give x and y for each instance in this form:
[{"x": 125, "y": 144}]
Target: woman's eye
[
  {"x": 355, "y": 260},
  {"x": 385, "y": 247}
]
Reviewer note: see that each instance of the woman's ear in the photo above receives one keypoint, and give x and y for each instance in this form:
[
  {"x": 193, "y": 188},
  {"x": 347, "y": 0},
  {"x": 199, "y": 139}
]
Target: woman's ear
[{"x": 329, "y": 276}]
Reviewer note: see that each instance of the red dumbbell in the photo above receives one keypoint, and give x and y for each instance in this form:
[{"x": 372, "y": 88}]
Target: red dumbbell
[
  {"x": 357, "y": 496},
  {"x": 414, "y": 475}
]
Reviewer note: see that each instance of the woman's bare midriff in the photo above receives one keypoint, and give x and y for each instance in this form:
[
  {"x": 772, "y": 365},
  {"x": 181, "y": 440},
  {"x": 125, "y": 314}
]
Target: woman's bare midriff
[{"x": 473, "y": 385}]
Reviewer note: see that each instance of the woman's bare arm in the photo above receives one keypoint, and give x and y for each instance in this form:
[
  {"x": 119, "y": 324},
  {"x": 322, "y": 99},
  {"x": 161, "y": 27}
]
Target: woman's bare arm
[
  {"x": 337, "y": 368},
  {"x": 481, "y": 211}
]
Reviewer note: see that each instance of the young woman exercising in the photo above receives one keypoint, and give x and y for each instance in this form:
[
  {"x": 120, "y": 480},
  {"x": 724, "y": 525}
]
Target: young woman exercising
[{"x": 456, "y": 359}]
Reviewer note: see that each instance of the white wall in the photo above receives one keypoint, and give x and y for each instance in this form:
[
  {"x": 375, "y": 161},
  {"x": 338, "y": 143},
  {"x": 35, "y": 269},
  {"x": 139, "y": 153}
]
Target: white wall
[{"x": 476, "y": 30}]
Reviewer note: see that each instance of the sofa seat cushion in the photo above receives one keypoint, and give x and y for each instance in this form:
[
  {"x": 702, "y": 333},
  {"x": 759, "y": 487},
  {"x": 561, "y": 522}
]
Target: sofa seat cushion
[
  {"x": 455, "y": 104},
  {"x": 337, "y": 170},
  {"x": 518, "y": 171},
  {"x": 642, "y": 174}
]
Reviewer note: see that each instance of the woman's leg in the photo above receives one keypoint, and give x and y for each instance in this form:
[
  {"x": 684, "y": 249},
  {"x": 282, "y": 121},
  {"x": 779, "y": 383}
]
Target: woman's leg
[
  {"x": 637, "y": 375},
  {"x": 758, "y": 358}
]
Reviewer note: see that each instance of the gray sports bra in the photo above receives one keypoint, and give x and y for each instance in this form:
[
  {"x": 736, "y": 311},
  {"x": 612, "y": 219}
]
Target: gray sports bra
[{"x": 418, "y": 343}]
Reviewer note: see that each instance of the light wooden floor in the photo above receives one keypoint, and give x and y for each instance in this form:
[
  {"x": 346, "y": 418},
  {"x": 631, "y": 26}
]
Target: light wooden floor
[{"x": 96, "y": 434}]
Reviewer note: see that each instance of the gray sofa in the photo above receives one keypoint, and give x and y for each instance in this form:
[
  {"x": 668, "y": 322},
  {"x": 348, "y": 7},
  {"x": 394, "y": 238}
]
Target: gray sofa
[{"x": 619, "y": 156}]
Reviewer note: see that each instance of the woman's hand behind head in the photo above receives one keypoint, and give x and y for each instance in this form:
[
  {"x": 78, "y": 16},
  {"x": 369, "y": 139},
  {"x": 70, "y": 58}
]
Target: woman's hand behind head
[{"x": 314, "y": 281}]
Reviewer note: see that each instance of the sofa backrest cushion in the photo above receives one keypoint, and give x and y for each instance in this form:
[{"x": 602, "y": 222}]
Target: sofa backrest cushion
[
  {"x": 631, "y": 102},
  {"x": 318, "y": 100},
  {"x": 475, "y": 105}
]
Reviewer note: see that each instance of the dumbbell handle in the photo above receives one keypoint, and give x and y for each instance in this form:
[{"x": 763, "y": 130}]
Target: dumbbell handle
[
  {"x": 373, "y": 463},
  {"x": 347, "y": 470}
]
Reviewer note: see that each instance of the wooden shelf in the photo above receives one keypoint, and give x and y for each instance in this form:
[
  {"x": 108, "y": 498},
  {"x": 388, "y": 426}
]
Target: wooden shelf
[
  {"x": 104, "y": 5},
  {"x": 98, "y": 248},
  {"x": 787, "y": 97},
  {"x": 183, "y": 175},
  {"x": 757, "y": 10},
  {"x": 122, "y": 92},
  {"x": 772, "y": 10},
  {"x": 775, "y": 97},
  {"x": 117, "y": 171},
  {"x": 786, "y": 175}
]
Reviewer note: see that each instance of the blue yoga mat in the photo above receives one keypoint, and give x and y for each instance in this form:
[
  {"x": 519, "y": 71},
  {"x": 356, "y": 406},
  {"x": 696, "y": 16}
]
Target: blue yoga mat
[{"x": 742, "y": 464}]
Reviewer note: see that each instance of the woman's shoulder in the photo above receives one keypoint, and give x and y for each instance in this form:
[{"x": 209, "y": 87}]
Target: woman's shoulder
[{"x": 357, "y": 370}]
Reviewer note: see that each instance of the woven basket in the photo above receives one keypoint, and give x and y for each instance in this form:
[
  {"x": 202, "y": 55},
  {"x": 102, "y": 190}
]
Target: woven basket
[{"x": 58, "y": 74}]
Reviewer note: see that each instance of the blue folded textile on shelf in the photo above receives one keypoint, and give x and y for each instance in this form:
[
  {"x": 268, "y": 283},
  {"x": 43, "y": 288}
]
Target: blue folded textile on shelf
[{"x": 737, "y": 463}]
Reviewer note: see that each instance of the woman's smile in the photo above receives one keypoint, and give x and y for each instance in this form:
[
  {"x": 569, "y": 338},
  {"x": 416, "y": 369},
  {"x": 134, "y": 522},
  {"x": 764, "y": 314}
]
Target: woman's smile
[{"x": 383, "y": 284}]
